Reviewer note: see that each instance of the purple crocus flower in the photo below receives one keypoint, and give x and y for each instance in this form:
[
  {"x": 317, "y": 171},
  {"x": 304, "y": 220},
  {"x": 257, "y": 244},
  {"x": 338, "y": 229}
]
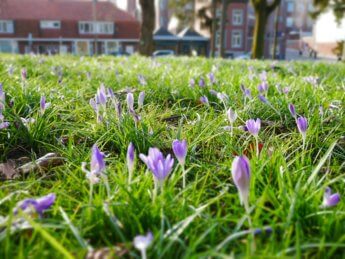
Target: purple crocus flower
[
  {"x": 204, "y": 100},
  {"x": 246, "y": 92},
  {"x": 192, "y": 82},
  {"x": 263, "y": 76},
  {"x": 241, "y": 175},
  {"x": 211, "y": 78},
  {"x": 43, "y": 104},
  {"x": 329, "y": 199},
  {"x": 253, "y": 126},
  {"x": 118, "y": 108},
  {"x": 286, "y": 90},
  {"x": 101, "y": 96},
  {"x": 302, "y": 125},
  {"x": 141, "y": 243},
  {"x": 4, "y": 125},
  {"x": 97, "y": 165},
  {"x": 24, "y": 74},
  {"x": 111, "y": 93},
  {"x": 262, "y": 98},
  {"x": 2, "y": 98},
  {"x": 35, "y": 205},
  {"x": 141, "y": 99},
  {"x": 97, "y": 160},
  {"x": 263, "y": 87},
  {"x": 180, "y": 150},
  {"x": 130, "y": 159},
  {"x": 142, "y": 80},
  {"x": 201, "y": 82},
  {"x": 159, "y": 166},
  {"x": 292, "y": 110},
  {"x": 130, "y": 102},
  {"x": 222, "y": 97},
  {"x": 213, "y": 92}
]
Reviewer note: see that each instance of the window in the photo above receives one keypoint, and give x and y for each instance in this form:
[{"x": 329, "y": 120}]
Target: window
[
  {"x": 237, "y": 17},
  {"x": 289, "y": 22},
  {"x": 96, "y": 28},
  {"x": 8, "y": 46},
  {"x": 6, "y": 26},
  {"x": 290, "y": 7},
  {"x": 50, "y": 24},
  {"x": 236, "y": 39}
]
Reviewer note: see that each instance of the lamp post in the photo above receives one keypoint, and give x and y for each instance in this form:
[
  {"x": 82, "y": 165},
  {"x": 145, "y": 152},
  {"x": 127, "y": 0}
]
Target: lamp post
[{"x": 94, "y": 26}]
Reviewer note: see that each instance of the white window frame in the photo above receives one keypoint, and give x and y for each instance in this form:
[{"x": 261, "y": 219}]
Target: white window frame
[
  {"x": 289, "y": 22},
  {"x": 237, "y": 16},
  {"x": 49, "y": 24},
  {"x": 96, "y": 27},
  {"x": 6, "y": 26},
  {"x": 234, "y": 44},
  {"x": 290, "y": 7}
]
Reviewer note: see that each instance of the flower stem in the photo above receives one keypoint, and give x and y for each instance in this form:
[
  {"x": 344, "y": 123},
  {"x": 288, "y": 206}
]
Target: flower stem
[
  {"x": 143, "y": 253},
  {"x": 91, "y": 191},
  {"x": 252, "y": 243},
  {"x": 183, "y": 177},
  {"x": 257, "y": 146}
]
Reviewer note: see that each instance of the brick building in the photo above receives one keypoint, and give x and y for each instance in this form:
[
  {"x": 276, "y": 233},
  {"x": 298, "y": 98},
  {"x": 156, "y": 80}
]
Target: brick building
[{"x": 66, "y": 26}]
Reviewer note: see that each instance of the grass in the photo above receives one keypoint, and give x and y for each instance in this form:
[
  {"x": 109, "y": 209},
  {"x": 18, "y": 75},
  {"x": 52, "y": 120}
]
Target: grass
[{"x": 205, "y": 219}]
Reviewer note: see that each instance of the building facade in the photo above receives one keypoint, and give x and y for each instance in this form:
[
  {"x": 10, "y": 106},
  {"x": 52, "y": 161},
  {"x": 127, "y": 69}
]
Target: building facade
[{"x": 66, "y": 26}]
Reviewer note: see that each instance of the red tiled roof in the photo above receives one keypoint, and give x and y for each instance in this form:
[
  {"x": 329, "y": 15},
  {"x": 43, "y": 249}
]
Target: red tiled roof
[{"x": 76, "y": 10}]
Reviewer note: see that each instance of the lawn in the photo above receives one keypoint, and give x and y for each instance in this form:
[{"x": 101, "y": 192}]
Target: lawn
[{"x": 101, "y": 209}]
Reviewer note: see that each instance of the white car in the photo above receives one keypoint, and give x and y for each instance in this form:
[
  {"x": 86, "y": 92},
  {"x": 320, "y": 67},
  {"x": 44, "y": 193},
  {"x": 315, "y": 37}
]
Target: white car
[
  {"x": 244, "y": 56},
  {"x": 165, "y": 52}
]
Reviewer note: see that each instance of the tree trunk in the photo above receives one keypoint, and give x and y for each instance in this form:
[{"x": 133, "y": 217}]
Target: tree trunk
[
  {"x": 225, "y": 4},
  {"x": 258, "y": 46},
  {"x": 262, "y": 12},
  {"x": 214, "y": 28},
  {"x": 146, "y": 43},
  {"x": 276, "y": 28}
]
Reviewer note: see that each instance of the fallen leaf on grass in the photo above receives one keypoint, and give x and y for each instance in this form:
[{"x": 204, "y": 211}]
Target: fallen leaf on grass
[
  {"x": 13, "y": 169},
  {"x": 107, "y": 252}
]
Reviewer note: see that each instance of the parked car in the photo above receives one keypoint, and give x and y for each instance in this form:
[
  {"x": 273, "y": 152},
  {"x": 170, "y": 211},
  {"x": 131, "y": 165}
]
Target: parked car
[
  {"x": 119, "y": 53},
  {"x": 165, "y": 52},
  {"x": 244, "y": 56}
]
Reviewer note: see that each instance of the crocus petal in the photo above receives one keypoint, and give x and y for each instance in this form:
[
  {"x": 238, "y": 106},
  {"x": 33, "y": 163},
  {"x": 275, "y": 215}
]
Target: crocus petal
[
  {"x": 241, "y": 175},
  {"x": 143, "y": 242}
]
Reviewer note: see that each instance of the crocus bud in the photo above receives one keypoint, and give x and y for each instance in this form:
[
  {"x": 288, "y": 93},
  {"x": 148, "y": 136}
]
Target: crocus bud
[
  {"x": 130, "y": 158},
  {"x": 180, "y": 150},
  {"x": 211, "y": 78},
  {"x": 302, "y": 125},
  {"x": 192, "y": 82},
  {"x": 202, "y": 82},
  {"x": 241, "y": 175},
  {"x": 204, "y": 100},
  {"x": 263, "y": 98},
  {"x": 43, "y": 104},
  {"x": 141, "y": 100},
  {"x": 97, "y": 160},
  {"x": 329, "y": 199},
  {"x": 24, "y": 74},
  {"x": 253, "y": 126},
  {"x": 292, "y": 110},
  {"x": 263, "y": 87},
  {"x": 232, "y": 115},
  {"x": 2, "y": 98},
  {"x": 130, "y": 102}
]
